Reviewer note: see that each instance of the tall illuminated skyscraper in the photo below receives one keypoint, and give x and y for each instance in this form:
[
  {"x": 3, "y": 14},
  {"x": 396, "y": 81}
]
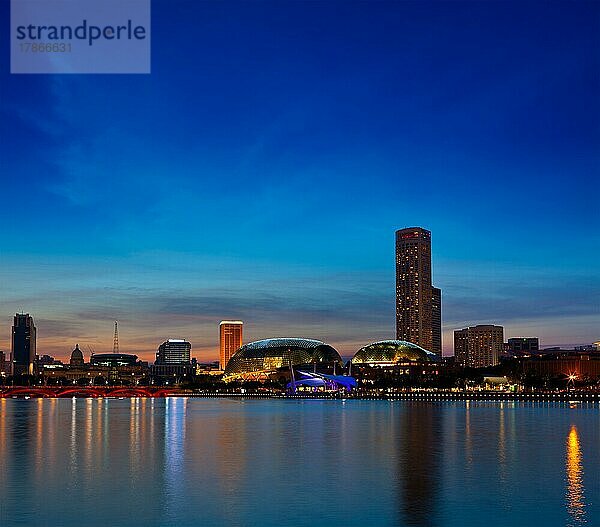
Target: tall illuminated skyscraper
[
  {"x": 230, "y": 340},
  {"x": 418, "y": 303},
  {"x": 23, "y": 345}
]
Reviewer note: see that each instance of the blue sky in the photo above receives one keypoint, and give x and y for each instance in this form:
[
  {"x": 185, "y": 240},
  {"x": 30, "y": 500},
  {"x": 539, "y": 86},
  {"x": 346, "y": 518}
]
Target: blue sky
[{"x": 260, "y": 170}]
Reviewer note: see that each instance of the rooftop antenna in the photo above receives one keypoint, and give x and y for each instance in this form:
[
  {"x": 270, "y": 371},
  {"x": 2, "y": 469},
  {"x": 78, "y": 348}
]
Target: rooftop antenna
[{"x": 116, "y": 338}]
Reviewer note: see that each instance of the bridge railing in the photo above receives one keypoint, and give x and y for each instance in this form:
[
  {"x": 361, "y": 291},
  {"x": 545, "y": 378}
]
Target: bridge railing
[{"x": 82, "y": 391}]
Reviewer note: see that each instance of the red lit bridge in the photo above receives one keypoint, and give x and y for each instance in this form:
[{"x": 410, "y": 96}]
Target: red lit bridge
[{"x": 84, "y": 391}]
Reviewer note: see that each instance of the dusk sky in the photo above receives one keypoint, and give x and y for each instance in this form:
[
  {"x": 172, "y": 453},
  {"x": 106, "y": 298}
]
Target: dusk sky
[{"x": 260, "y": 171}]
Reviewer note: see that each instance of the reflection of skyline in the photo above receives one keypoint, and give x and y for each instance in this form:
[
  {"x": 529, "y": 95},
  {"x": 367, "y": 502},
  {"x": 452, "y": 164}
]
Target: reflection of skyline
[
  {"x": 418, "y": 465},
  {"x": 175, "y": 456},
  {"x": 575, "y": 497}
]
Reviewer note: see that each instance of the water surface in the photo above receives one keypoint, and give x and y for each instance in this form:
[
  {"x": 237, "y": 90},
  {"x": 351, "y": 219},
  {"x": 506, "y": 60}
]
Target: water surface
[{"x": 216, "y": 462}]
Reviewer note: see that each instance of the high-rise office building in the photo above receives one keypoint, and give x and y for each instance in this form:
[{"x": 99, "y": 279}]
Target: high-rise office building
[
  {"x": 478, "y": 346},
  {"x": 230, "y": 340},
  {"x": 436, "y": 319},
  {"x": 174, "y": 351},
  {"x": 23, "y": 345},
  {"x": 418, "y": 303}
]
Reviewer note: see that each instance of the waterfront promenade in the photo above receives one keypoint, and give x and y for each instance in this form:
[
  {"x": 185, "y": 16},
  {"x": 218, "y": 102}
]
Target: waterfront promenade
[{"x": 415, "y": 395}]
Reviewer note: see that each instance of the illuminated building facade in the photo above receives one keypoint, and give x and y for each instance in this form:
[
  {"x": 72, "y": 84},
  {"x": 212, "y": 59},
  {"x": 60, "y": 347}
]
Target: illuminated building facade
[
  {"x": 174, "y": 351},
  {"x": 94, "y": 374},
  {"x": 394, "y": 361},
  {"x": 230, "y": 340},
  {"x": 523, "y": 345},
  {"x": 418, "y": 303},
  {"x": 173, "y": 362},
  {"x": 23, "y": 345},
  {"x": 258, "y": 360},
  {"x": 113, "y": 360},
  {"x": 436, "y": 320},
  {"x": 392, "y": 352},
  {"x": 103, "y": 369},
  {"x": 4, "y": 369},
  {"x": 304, "y": 381},
  {"x": 478, "y": 346},
  {"x": 563, "y": 364}
]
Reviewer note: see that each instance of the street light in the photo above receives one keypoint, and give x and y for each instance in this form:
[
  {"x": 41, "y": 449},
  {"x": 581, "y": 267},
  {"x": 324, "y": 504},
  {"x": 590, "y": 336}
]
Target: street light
[{"x": 571, "y": 379}]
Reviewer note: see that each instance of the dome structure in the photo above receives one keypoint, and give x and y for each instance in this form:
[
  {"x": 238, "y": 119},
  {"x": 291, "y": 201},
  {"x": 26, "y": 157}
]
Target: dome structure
[
  {"x": 391, "y": 352},
  {"x": 257, "y": 359},
  {"x": 76, "y": 357}
]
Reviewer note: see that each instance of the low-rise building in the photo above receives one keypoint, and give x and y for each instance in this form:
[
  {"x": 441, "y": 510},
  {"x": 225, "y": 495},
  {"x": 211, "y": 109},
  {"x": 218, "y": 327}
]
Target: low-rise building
[
  {"x": 581, "y": 366},
  {"x": 103, "y": 368}
]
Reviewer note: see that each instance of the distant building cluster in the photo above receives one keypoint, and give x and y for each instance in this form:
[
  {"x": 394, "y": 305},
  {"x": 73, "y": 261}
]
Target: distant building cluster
[{"x": 415, "y": 354}]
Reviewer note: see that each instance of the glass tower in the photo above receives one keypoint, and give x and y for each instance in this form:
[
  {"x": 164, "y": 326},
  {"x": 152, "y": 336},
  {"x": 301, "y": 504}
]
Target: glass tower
[{"x": 23, "y": 345}]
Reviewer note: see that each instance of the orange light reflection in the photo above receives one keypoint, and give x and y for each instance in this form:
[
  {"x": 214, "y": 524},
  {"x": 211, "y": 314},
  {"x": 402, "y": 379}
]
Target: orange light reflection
[{"x": 574, "y": 469}]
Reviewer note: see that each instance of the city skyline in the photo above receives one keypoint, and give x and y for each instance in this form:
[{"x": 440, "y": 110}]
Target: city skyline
[
  {"x": 210, "y": 352},
  {"x": 423, "y": 261},
  {"x": 267, "y": 184},
  {"x": 300, "y": 262}
]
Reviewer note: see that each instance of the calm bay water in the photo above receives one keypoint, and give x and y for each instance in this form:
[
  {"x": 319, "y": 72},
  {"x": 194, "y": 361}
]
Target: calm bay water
[{"x": 215, "y": 462}]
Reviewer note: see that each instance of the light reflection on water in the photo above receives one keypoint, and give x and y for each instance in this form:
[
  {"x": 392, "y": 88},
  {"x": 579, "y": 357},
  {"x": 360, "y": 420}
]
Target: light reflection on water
[
  {"x": 178, "y": 461},
  {"x": 575, "y": 489}
]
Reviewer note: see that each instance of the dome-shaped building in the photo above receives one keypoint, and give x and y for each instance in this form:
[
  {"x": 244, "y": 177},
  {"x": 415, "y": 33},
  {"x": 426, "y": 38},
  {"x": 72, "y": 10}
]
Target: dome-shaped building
[
  {"x": 392, "y": 352},
  {"x": 76, "y": 357},
  {"x": 256, "y": 360}
]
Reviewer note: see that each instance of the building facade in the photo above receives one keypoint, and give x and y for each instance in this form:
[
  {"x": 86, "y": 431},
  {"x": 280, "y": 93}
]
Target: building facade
[
  {"x": 581, "y": 366},
  {"x": 4, "y": 365},
  {"x": 436, "y": 320},
  {"x": 23, "y": 345},
  {"x": 173, "y": 362},
  {"x": 230, "y": 340},
  {"x": 478, "y": 346},
  {"x": 418, "y": 303},
  {"x": 174, "y": 351},
  {"x": 273, "y": 359},
  {"x": 523, "y": 344}
]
